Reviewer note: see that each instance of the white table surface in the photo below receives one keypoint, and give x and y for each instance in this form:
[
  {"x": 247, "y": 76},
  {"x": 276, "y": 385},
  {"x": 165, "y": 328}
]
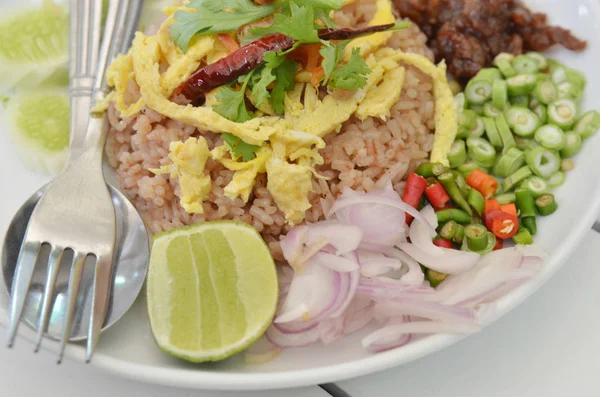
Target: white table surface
[{"x": 549, "y": 346}]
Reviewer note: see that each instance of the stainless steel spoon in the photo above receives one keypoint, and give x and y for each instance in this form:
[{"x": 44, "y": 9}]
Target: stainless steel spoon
[
  {"x": 130, "y": 266},
  {"x": 132, "y": 244}
]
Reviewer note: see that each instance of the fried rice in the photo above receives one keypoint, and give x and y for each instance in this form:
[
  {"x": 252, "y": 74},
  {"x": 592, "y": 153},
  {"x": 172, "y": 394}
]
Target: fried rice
[{"x": 363, "y": 155}]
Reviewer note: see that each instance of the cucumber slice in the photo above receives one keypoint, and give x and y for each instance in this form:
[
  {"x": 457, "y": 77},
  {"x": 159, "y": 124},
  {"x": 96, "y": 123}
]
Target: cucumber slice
[
  {"x": 40, "y": 128},
  {"x": 34, "y": 47}
]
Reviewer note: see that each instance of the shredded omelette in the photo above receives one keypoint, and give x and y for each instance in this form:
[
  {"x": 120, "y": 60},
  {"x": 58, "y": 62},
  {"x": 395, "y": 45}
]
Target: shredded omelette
[{"x": 289, "y": 144}]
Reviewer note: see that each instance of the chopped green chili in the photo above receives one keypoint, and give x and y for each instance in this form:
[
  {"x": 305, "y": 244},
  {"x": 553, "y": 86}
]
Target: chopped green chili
[
  {"x": 427, "y": 170},
  {"x": 476, "y": 201},
  {"x": 449, "y": 230},
  {"x": 523, "y": 237},
  {"x": 460, "y": 234},
  {"x": 525, "y": 203},
  {"x": 476, "y": 236},
  {"x": 546, "y": 204},
  {"x": 453, "y": 214},
  {"x": 435, "y": 278},
  {"x": 448, "y": 180},
  {"x": 530, "y": 223}
]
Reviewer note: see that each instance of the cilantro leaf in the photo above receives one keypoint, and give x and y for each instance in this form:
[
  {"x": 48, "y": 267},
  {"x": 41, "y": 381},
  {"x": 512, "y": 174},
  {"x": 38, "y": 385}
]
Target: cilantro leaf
[
  {"x": 215, "y": 16},
  {"x": 324, "y": 17},
  {"x": 273, "y": 59},
  {"x": 260, "y": 84},
  {"x": 240, "y": 148},
  {"x": 299, "y": 25},
  {"x": 332, "y": 55},
  {"x": 231, "y": 104},
  {"x": 352, "y": 75},
  {"x": 319, "y": 5},
  {"x": 284, "y": 81}
]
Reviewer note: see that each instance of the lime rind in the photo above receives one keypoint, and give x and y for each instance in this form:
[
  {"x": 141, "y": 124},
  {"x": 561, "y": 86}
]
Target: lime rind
[
  {"x": 256, "y": 271},
  {"x": 39, "y": 128},
  {"x": 34, "y": 47}
]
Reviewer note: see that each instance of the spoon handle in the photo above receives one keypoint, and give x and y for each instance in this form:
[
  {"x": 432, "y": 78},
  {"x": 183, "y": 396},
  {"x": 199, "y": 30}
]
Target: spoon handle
[
  {"x": 84, "y": 44},
  {"x": 121, "y": 22}
]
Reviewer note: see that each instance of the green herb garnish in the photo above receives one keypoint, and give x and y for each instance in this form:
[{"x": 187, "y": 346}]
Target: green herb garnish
[
  {"x": 332, "y": 55},
  {"x": 239, "y": 148},
  {"x": 352, "y": 75},
  {"x": 231, "y": 104},
  {"x": 215, "y": 16},
  {"x": 299, "y": 25}
]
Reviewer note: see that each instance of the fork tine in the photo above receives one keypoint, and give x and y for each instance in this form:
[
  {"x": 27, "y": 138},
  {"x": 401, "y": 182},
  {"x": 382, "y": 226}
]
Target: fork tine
[
  {"x": 74, "y": 282},
  {"x": 53, "y": 265},
  {"x": 102, "y": 282},
  {"x": 26, "y": 262}
]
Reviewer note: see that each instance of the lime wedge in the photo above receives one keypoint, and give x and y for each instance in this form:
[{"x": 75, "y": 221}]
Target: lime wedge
[
  {"x": 212, "y": 290},
  {"x": 34, "y": 47},
  {"x": 40, "y": 128}
]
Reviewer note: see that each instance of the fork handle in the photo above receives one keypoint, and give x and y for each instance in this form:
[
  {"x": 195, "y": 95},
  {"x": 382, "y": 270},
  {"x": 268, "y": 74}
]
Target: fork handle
[
  {"x": 90, "y": 61},
  {"x": 84, "y": 44},
  {"x": 121, "y": 23}
]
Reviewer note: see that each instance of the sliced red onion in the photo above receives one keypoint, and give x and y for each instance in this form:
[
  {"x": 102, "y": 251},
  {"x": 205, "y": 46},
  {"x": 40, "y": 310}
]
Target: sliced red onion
[
  {"x": 489, "y": 278},
  {"x": 334, "y": 262},
  {"x": 297, "y": 339},
  {"x": 359, "y": 314},
  {"x": 353, "y": 280},
  {"x": 344, "y": 238},
  {"x": 331, "y": 330},
  {"x": 302, "y": 242},
  {"x": 428, "y": 310},
  {"x": 390, "y": 340},
  {"x": 490, "y": 285},
  {"x": 371, "y": 211},
  {"x": 312, "y": 291},
  {"x": 389, "y": 332},
  {"x": 260, "y": 352},
  {"x": 374, "y": 264},
  {"x": 292, "y": 244},
  {"x": 453, "y": 263},
  {"x": 414, "y": 275}
]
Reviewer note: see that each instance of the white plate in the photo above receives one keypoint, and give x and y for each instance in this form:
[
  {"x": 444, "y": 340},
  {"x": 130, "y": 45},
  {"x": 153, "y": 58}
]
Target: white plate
[{"x": 128, "y": 350}]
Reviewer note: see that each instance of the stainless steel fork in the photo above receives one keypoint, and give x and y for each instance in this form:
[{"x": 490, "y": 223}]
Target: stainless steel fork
[{"x": 76, "y": 213}]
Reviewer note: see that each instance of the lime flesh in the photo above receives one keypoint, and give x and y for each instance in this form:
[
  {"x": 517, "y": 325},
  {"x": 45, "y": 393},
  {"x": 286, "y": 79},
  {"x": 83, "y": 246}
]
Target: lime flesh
[{"x": 212, "y": 290}]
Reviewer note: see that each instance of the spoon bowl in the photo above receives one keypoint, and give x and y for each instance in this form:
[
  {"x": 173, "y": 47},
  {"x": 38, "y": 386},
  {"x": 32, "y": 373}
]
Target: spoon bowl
[{"x": 132, "y": 252}]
